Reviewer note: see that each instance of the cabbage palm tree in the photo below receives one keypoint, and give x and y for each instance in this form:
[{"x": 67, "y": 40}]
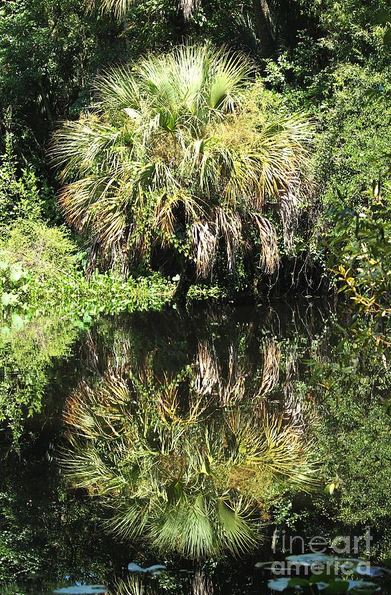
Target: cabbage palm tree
[{"x": 184, "y": 151}]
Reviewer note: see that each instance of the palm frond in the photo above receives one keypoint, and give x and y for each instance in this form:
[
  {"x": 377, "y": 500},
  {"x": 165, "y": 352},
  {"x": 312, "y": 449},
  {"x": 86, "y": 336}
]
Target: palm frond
[
  {"x": 229, "y": 75},
  {"x": 229, "y": 226},
  {"x": 271, "y": 356},
  {"x": 120, "y": 8},
  {"x": 134, "y": 585},
  {"x": 130, "y": 522},
  {"x": 118, "y": 90},
  {"x": 268, "y": 240},
  {"x": 188, "y": 7},
  {"x": 204, "y": 242},
  {"x": 186, "y": 524},
  {"x": 238, "y": 532}
]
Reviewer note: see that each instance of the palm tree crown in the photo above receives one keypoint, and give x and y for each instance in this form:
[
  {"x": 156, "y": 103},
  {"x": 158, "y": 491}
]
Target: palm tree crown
[{"x": 183, "y": 151}]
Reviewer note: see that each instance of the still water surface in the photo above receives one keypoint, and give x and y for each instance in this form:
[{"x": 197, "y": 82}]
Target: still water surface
[{"x": 198, "y": 441}]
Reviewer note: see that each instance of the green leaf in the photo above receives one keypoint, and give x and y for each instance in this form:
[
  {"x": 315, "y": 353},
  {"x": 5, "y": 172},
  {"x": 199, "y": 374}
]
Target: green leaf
[
  {"x": 17, "y": 322},
  {"x": 382, "y": 17}
]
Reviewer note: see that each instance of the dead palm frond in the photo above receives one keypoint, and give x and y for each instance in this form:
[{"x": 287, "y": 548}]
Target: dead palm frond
[
  {"x": 204, "y": 243},
  {"x": 207, "y": 369},
  {"x": 233, "y": 390},
  {"x": 188, "y": 7},
  {"x": 278, "y": 450},
  {"x": 290, "y": 206},
  {"x": 209, "y": 378},
  {"x": 229, "y": 227},
  {"x": 271, "y": 356},
  {"x": 268, "y": 240}
]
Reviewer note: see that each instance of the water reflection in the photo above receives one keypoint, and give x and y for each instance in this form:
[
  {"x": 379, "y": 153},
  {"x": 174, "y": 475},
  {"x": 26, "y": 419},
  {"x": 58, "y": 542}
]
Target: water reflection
[
  {"x": 194, "y": 433},
  {"x": 198, "y": 582},
  {"x": 28, "y": 354},
  {"x": 190, "y": 458}
]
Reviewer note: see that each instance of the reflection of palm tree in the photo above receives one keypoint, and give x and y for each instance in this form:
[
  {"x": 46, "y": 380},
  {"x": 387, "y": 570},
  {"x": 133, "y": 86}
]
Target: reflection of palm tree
[
  {"x": 134, "y": 585},
  {"x": 198, "y": 583},
  {"x": 233, "y": 387},
  {"x": 271, "y": 366},
  {"x": 191, "y": 475}
]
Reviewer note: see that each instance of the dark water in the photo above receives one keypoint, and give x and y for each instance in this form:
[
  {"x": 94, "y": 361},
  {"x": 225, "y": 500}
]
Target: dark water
[{"x": 207, "y": 441}]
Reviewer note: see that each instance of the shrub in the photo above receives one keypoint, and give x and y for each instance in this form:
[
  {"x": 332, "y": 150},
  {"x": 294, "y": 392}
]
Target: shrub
[{"x": 19, "y": 192}]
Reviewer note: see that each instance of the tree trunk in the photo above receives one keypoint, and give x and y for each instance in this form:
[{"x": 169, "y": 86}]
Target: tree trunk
[
  {"x": 187, "y": 278},
  {"x": 265, "y": 26}
]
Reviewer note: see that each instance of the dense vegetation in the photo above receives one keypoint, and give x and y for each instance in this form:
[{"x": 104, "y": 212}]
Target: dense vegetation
[
  {"x": 155, "y": 153},
  {"x": 195, "y": 162}
]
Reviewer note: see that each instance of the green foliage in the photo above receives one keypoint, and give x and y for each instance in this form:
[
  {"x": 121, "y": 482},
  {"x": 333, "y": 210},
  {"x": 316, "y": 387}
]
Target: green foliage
[
  {"x": 44, "y": 300},
  {"x": 39, "y": 271},
  {"x": 13, "y": 284},
  {"x": 352, "y": 388},
  {"x": 356, "y": 122},
  {"x": 111, "y": 294},
  {"x": 157, "y": 25},
  {"x": 28, "y": 352},
  {"x": 47, "y": 51},
  {"x": 20, "y": 195},
  {"x": 354, "y": 170},
  {"x": 364, "y": 245},
  {"x": 205, "y": 292},
  {"x": 36, "y": 262},
  {"x": 47, "y": 252},
  {"x": 352, "y": 29}
]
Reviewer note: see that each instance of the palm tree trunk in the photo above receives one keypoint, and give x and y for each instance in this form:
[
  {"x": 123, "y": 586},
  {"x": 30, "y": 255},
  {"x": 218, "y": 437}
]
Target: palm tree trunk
[
  {"x": 187, "y": 278},
  {"x": 265, "y": 26}
]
